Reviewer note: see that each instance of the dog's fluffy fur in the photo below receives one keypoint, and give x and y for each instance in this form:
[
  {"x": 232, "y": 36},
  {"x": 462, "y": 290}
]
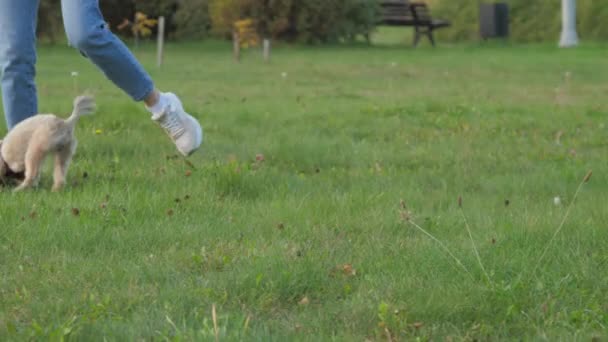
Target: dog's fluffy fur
[{"x": 25, "y": 147}]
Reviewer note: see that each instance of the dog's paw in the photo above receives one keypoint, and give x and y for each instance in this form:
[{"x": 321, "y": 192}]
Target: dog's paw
[{"x": 22, "y": 186}]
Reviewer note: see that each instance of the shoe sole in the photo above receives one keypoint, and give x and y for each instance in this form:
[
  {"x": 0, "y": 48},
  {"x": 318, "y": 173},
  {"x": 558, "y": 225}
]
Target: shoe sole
[{"x": 199, "y": 136}]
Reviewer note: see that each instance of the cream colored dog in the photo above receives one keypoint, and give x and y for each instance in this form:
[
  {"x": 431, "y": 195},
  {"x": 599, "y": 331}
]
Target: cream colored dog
[{"x": 25, "y": 147}]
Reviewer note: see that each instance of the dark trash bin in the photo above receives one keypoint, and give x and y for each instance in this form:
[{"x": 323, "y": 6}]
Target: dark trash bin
[{"x": 494, "y": 20}]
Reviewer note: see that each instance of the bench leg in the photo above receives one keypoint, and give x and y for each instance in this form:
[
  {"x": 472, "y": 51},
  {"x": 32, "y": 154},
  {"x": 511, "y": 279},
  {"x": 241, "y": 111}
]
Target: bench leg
[
  {"x": 416, "y": 36},
  {"x": 430, "y": 35},
  {"x": 427, "y": 32}
]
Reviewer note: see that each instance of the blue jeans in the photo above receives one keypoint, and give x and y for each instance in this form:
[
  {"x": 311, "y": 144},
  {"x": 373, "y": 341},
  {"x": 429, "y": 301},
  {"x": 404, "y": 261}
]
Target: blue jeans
[{"x": 86, "y": 30}]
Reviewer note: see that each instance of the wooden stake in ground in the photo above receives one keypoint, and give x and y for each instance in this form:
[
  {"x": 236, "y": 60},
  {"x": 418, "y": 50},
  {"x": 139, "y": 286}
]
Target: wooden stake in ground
[
  {"x": 266, "y": 49},
  {"x": 236, "y": 43},
  {"x": 161, "y": 42}
]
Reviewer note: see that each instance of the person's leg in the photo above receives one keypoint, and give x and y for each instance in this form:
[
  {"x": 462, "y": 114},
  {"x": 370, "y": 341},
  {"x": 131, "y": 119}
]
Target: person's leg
[
  {"x": 88, "y": 32},
  {"x": 18, "y": 59}
]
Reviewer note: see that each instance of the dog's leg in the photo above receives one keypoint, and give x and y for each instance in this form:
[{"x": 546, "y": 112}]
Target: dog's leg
[
  {"x": 3, "y": 168},
  {"x": 3, "y": 171},
  {"x": 33, "y": 162},
  {"x": 63, "y": 158}
]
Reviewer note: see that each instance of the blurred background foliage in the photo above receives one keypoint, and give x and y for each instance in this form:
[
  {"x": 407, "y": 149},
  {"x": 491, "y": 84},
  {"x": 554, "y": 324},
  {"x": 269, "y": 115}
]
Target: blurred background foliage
[{"x": 329, "y": 21}]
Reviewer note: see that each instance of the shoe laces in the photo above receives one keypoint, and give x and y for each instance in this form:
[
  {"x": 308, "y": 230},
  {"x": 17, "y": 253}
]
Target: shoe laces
[{"x": 171, "y": 124}]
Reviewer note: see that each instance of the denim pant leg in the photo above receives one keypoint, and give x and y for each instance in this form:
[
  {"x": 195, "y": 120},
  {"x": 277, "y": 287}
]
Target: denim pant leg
[
  {"x": 18, "y": 59},
  {"x": 88, "y": 32}
]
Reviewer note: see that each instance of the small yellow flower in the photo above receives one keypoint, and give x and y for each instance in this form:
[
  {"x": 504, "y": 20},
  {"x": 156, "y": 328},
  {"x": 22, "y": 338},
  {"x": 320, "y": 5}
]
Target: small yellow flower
[{"x": 98, "y": 131}]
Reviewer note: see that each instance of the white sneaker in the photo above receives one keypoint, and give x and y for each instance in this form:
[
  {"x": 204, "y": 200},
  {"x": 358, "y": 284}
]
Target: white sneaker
[{"x": 182, "y": 128}]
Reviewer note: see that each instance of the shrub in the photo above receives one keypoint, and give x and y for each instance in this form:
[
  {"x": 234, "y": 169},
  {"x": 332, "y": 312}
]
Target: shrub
[
  {"x": 224, "y": 13},
  {"x": 592, "y": 19},
  {"x": 156, "y": 8},
  {"x": 361, "y": 18},
  {"x": 115, "y": 11},
  {"x": 309, "y": 21},
  {"x": 318, "y": 20},
  {"x": 332, "y": 20},
  {"x": 49, "y": 20},
  {"x": 530, "y": 21},
  {"x": 192, "y": 19},
  {"x": 271, "y": 16}
]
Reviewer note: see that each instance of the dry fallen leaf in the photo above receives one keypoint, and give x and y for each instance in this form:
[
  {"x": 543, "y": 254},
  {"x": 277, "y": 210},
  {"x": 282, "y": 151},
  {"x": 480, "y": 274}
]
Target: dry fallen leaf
[
  {"x": 349, "y": 270},
  {"x": 188, "y": 173},
  {"x": 304, "y": 301}
]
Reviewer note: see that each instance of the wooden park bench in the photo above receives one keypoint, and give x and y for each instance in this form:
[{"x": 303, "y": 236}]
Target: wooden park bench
[{"x": 415, "y": 14}]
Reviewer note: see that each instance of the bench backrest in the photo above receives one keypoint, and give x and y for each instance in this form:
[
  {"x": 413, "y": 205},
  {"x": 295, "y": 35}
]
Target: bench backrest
[
  {"x": 421, "y": 11},
  {"x": 404, "y": 11},
  {"x": 396, "y": 10}
]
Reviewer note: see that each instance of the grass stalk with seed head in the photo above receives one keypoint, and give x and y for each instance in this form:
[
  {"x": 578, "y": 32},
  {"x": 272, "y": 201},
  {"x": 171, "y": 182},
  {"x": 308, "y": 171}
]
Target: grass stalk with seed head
[
  {"x": 561, "y": 225},
  {"x": 406, "y": 217},
  {"x": 74, "y": 75},
  {"x": 466, "y": 224},
  {"x": 215, "y": 328},
  {"x": 389, "y": 337},
  {"x": 246, "y": 325}
]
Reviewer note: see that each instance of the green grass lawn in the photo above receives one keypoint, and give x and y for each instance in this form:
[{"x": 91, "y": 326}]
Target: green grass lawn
[{"x": 311, "y": 243}]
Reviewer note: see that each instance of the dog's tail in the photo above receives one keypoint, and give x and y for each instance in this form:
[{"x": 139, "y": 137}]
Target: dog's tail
[{"x": 83, "y": 105}]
